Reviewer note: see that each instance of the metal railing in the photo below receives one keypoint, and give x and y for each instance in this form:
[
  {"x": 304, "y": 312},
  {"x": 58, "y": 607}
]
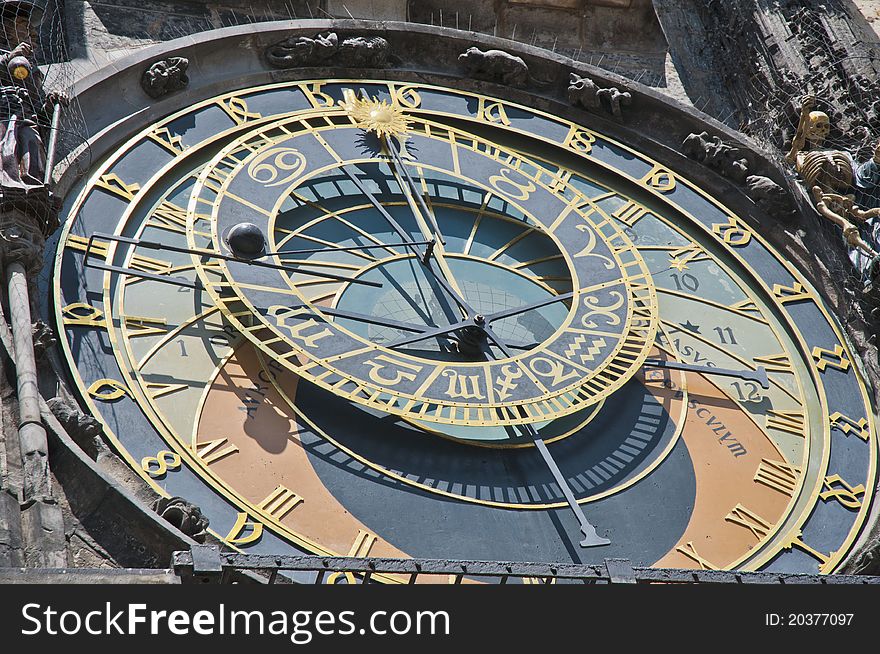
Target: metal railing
[{"x": 208, "y": 564}]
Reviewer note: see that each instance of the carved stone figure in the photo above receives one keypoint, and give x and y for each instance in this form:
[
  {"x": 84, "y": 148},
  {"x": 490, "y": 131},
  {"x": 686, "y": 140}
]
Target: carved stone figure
[
  {"x": 770, "y": 197},
  {"x": 327, "y": 49},
  {"x": 184, "y": 515},
  {"x": 828, "y": 174},
  {"x": 585, "y": 92},
  {"x": 43, "y": 338},
  {"x": 25, "y": 115},
  {"x": 495, "y": 66},
  {"x": 78, "y": 425},
  {"x": 165, "y": 76},
  {"x": 714, "y": 153}
]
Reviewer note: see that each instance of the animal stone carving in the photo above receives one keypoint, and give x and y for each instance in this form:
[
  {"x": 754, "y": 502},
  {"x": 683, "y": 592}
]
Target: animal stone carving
[
  {"x": 585, "y": 92},
  {"x": 43, "y": 338},
  {"x": 165, "y": 76},
  {"x": 184, "y": 515},
  {"x": 495, "y": 66},
  {"x": 327, "y": 49},
  {"x": 711, "y": 151},
  {"x": 770, "y": 197}
]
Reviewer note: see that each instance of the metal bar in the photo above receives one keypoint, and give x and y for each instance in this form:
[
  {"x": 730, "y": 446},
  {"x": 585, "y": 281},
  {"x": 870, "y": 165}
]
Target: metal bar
[
  {"x": 759, "y": 375},
  {"x": 182, "y": 563},
  {"x": 152, "y": 245},
  {"x": 53, "y": 143}
]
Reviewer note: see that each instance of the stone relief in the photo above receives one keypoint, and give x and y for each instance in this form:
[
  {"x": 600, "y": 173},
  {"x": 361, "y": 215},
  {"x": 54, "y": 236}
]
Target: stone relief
[
  {"x": 586, "y": 93},
  {"x": 184, "y": 515},
  {"x": 495, "y": 66},
  {"x": 328, "y": 49},
  {"x": 714, "y": 153},
  {"x": 165, "y": 76}
]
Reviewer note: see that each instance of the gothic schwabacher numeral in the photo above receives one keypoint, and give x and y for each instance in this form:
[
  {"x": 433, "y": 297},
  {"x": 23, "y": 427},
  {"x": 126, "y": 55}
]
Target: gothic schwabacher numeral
[
  {"x": 158, "y": 466},
  {"x": 840, "y": 490},
  {"x": 793, "y": 293},
  {"x": 169, "y": 141},
  {"x": 112, "y": 183},
  {"x": 490, "y": 111},
  {"x": 850, "y": 426},
  {"x": 244, "y": 531},
  {"x": 580, "y": 140},
  {"x": 732, "y": 232},
  {"x": 797, "y": 540},
  {"x": 778, "y": 475},
  {"x": 172, "y": 218},
  {"x": 80, "y": 314},
  {"x": 659, "y": 179},
  {"x": 107, "y": 390},
  {"x": 212, "y": 451},
  {"x": 237, "y": 109},
  {"x": 156, "y": 390},
  {"x": 835, "y": 358}
]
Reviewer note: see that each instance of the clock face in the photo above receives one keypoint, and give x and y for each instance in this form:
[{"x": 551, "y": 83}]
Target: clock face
[{"x": 390, "y": 319}]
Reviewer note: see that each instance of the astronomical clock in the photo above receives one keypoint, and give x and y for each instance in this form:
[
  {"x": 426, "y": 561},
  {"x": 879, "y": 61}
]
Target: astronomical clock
[{"x": 370, "y": 316}]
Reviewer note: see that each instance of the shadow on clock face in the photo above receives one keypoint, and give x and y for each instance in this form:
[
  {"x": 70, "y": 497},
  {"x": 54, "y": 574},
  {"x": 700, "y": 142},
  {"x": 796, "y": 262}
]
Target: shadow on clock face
[{"x": 450, "y": 499}]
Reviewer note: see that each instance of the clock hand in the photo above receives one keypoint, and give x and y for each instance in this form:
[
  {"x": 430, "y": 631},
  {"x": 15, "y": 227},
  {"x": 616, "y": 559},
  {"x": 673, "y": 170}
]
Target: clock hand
[
  {"x": 463, "y": 306},
  {"x": 759, "y": 375},
  {"x": 590, "y": 537},
  {"x": 348, "y": 248},
  {"x": 152, "y": 245}
]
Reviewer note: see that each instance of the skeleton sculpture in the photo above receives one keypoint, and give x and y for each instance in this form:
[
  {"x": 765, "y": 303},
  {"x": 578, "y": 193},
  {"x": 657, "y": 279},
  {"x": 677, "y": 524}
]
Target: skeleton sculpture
[{"x": 828, "y": 174}]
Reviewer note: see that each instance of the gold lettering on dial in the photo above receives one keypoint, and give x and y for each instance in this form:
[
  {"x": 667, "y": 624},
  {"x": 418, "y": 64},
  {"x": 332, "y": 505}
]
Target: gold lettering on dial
[
  {"x": 788, "y": 421},
  {"x": 282, "y": 313},
  {"x": 107, "y": 390},
  {"x": 80, "y": 314},
  {"x": 492, "y": 112},
  {"x": 841, "y": 491},
  {"x": 317, "y": 97},
  {"x": 835, "y": 358},
  {"x": 283, "y": 160},
  {"x": 552, "y": 370},
  {"x": 690, "y": 551},
  {"x": 361, "y": 546},
  {"x": 778, "y": 475},
  {"x": 396, "y": 375},
  {"x": 798, "y": 541},
  {"x": 244, "y": 531},
  {"x": 743, "y": 517},
  {"x": 732, "y": 232},
  {"x": 660, "y": 179},
  {"x": 503, "y": 184},
  {"x": 580, "y": 140},
  {"x": 463, "y": 386},
  {"x": 212, "y": 451},
  {"x": 792, "y": 293},
  {"x": 237, "y": 109},
  {"x": 113, "y": 183},
  {"x": 280, "y": 502},
  {"x": 630, "y": 213},
  {"x": 849, "y": 426},
  {"x": 157, "y": 466}
]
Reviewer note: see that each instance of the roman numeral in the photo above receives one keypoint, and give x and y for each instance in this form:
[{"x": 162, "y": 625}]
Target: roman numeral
[
  {"x": 212, "y": 451},
  {"x": 689, "y": 551},
  {"x": 280, "y": 502},
  {"x": 788, "y": 421},
  {"x": 630, "y": 213},
  {"x": 778, "y": 475},
  {"x": 752, "y": 521}
]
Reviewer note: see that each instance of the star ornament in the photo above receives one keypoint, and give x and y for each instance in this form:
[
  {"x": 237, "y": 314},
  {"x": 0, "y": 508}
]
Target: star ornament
[{"x": 384, "y": 119}]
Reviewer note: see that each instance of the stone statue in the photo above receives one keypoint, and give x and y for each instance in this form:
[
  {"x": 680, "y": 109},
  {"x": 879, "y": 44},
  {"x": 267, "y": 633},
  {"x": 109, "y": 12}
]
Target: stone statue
[
  {"x": 829, "y": 176},
  {"x": 329, "y": 49},
  {"x": 495, "y": 66},
  {"x": 585, "y": 92},
  {"x": 25, "y": 110},
  {"x": 715, "y": 153},
  {"x": 867, "y": 180},
  {"x": 165, "y": 76}
]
